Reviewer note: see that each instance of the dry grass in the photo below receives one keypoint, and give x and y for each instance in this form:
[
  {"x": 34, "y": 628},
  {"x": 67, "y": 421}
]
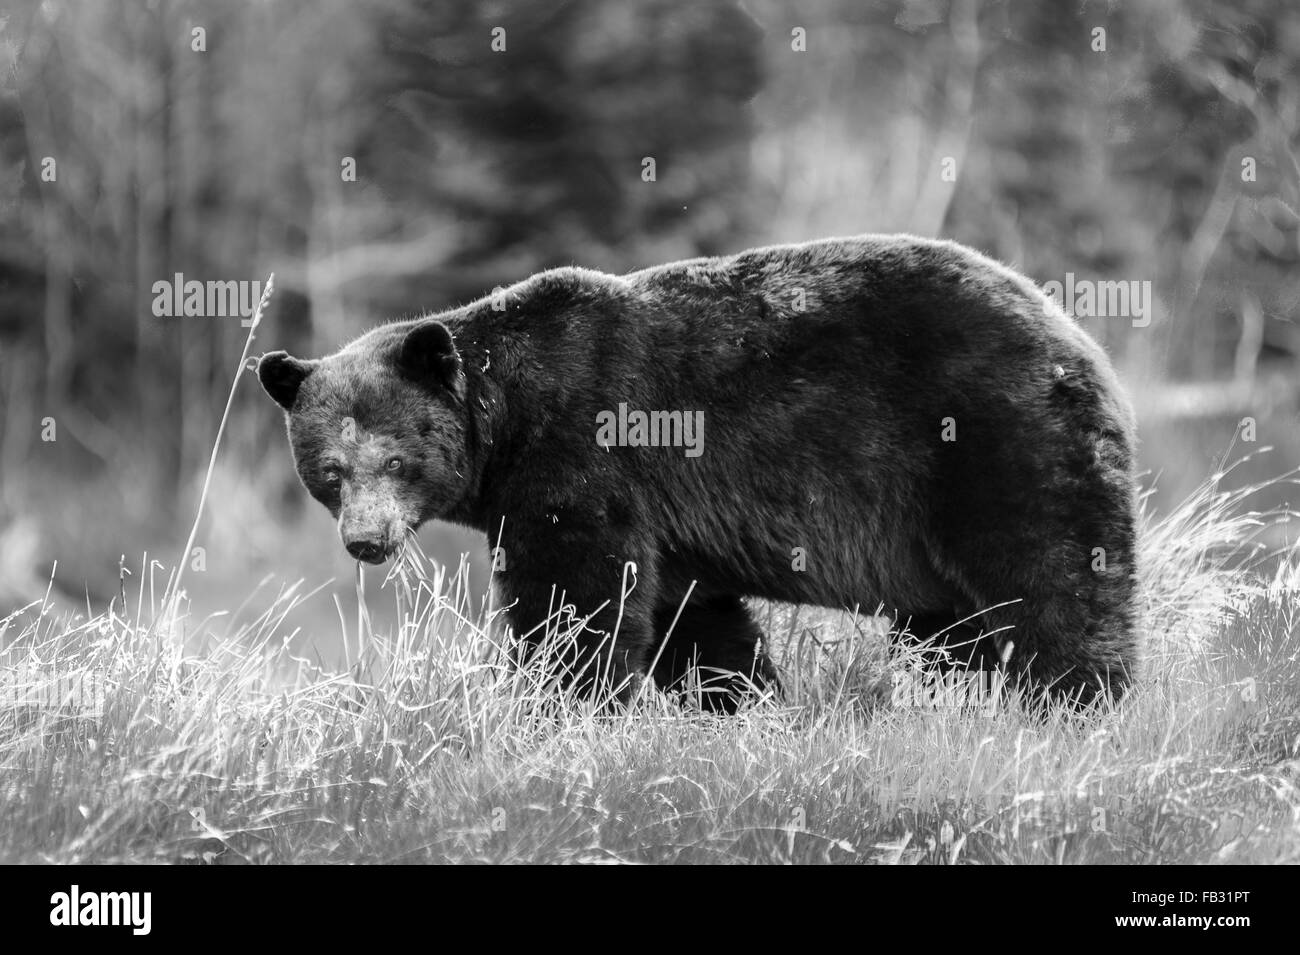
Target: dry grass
[{"x": 136, "y": 736}]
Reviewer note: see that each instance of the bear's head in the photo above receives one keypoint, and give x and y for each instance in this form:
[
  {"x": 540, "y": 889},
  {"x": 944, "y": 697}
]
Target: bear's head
[{"x": 378, "y": 431}]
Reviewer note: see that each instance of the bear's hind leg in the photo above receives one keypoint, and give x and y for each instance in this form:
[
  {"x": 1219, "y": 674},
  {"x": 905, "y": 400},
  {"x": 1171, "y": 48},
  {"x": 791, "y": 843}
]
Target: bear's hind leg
[
  {"x": 1062, "y": 604},
  {"x": 715, "y": 648}
]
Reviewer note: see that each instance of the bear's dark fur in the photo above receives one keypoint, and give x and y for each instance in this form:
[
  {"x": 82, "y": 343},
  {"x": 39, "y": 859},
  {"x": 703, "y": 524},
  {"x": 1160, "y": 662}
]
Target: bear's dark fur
[{"x": 886, "y": 420}]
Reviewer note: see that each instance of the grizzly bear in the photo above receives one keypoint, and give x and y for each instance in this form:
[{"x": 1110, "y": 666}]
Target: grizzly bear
[{"x": 879, "y": 420}]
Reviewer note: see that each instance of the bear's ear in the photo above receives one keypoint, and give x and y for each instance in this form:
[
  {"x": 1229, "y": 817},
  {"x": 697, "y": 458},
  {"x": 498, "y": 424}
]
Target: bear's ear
[
  {"x": 282, "y": 375},
  {"x": 429, "y": 354}
]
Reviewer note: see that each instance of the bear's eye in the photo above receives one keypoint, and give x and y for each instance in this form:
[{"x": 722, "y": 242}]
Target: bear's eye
[
  {"x": 394, "y": 464},
  {"x": 332, "y": 477}
]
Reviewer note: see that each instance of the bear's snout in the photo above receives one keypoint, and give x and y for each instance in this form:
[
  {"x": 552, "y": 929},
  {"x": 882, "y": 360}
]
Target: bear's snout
[
  {"x": 370, "y": 551},
  {"x": 372, "y": 523},
  {"x": 369, "y": 541}
]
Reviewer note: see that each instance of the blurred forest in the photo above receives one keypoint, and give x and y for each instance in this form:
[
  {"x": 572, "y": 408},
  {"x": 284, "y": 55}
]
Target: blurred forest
[{"x": 1150, "y": 141}]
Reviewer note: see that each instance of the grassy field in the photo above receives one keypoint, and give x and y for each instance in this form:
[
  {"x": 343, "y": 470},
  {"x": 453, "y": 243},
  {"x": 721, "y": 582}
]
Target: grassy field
[{"x": 141, "y": 735}]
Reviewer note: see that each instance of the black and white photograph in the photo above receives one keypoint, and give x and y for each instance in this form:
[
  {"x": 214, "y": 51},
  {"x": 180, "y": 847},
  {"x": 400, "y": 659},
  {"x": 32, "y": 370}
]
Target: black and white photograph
[{"x": 760, "y": 432}]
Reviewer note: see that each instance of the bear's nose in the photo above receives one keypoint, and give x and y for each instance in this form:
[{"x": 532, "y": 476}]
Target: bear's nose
[{"x": 371, "y": 551}]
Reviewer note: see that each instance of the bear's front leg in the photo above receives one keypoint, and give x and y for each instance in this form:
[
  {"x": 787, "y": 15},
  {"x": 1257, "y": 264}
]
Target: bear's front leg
[{"x": 581, "y": 596}]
